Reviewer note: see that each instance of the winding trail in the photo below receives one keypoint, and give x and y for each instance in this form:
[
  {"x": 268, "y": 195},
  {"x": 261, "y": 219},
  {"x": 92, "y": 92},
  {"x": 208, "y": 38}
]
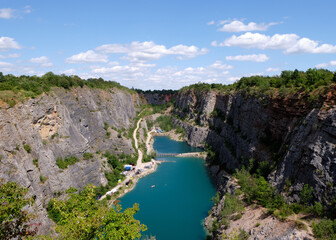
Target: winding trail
[{"x": 139, "y": 165}]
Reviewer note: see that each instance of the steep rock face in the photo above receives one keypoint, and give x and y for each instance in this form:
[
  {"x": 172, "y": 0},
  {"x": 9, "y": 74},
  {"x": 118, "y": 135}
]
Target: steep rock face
[
  {"x": 294, "y": 135},
  {"x": 59, "y": 124}
]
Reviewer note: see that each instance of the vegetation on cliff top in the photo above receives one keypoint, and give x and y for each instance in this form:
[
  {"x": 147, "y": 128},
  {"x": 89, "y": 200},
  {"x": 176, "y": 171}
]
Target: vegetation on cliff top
[
  {"x": 287, "y": 82},
  {"x": 17, "y": 88}
]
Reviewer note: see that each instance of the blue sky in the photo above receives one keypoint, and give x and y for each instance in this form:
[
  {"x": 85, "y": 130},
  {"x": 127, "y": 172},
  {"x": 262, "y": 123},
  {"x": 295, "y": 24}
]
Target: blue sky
[{"x": 154, "y": 44}]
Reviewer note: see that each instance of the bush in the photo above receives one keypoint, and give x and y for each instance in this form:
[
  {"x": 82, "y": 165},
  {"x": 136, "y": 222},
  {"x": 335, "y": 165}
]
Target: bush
[
  {"x": 27, "y": 148},
  {"x": 63, "y": 164},
  {"x": 325, "y": 229},
  {"x": 14, "y": 221},
  {"x": 87, "y": 156},
  {"x": 43, "y": 179},
  {"x": 165, "y": 123},
  {"x": 71, "y": 190},
  {"x": 35, "y": 162}
]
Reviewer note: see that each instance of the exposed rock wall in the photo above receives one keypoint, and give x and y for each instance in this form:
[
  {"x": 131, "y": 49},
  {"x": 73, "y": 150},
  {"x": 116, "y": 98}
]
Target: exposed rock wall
[
  {"x": 59, "y": 124},
  {"x": 295, "y": 135}
]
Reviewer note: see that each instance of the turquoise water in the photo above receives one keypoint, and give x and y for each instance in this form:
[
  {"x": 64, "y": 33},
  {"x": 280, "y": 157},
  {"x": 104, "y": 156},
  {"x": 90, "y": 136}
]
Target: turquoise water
[{"x": 180, "y": 200}]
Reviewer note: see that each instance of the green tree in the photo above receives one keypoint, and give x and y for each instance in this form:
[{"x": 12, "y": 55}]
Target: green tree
[
  {"x": 14, "y": 220},
  {"x": 83, "y": 217}
]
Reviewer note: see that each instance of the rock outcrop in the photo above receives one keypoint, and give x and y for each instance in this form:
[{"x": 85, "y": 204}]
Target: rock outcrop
[
  {"x": 292, "y": 136},
  {"x": 63, "y": 123}
]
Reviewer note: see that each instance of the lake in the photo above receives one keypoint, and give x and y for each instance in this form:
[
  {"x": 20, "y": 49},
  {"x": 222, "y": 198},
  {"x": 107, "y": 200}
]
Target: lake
[{"x": 181, "y": 198}]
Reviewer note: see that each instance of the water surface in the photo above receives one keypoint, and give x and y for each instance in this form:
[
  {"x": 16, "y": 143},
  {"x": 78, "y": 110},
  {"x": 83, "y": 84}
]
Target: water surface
[{"x": 180, "y": 200}]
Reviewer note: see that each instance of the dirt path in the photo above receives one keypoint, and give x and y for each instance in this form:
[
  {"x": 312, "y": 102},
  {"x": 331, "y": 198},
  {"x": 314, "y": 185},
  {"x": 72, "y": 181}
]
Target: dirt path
[{"x": 139, "y": 165}]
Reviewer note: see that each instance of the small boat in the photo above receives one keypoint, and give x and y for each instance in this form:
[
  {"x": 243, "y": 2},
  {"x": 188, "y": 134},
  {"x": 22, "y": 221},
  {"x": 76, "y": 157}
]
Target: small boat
[{"x": 153, "y": 186}]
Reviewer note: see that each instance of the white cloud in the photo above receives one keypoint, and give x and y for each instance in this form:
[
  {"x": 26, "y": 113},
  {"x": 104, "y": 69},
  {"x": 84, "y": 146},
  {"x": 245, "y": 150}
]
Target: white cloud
[
  {"x": 261, "y": 41},
  {"x": 7, "y": 43},
  {"x": 42, "y": 61},
  {"x": 87, "y": 57},
  {"x": 253, "y": 58},
  {"x": 290, "y": 43},
  {"x": 270, "y": 69},
  {"x": 6, "y": 67},
  {"x": 7, "y": 13},
  {"x": 147, "y": 76},
  {"x": 145, "y": 51},
  {"x": 219, "y": 65},
  {"x": 239, "y": 26},
  {"x": 5, "y": 64},
  {"x": 324, "y": 65},
  {"x": 13, "y": 55}
]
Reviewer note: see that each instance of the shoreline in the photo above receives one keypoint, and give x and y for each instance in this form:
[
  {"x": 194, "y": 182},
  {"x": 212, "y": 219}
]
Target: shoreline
[{"x": 122, "y": 188}]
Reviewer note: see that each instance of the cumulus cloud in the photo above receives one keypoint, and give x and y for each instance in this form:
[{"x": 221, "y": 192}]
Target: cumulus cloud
[
  {"x": 42, "y": 61},
  {"x": 324, "y": 65},
  {"x": 145, "y": 51},
  {"x": 290, "y": 43},
  {"x": 253, "y": 58},
  {"x": 147, "y": 76},
  {"x": 8, "y": 43},
  {"x": 239, "y": 26},
  {"x": 87, "y": 57},
  {"x": 261, "y": 41}
]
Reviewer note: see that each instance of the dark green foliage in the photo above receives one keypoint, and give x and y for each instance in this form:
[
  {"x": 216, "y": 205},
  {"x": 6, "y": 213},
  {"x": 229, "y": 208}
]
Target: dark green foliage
[
  {"x": 148, "y": 158},
  {"x": 232, "y": 205},
  {"x": 259, "y": 190},
  {"x": 180, "y": 130},
  {"x": 215, "y": 199},
  {"x": 32, "y": 86},
  {"x": 87, "y": 156},
  {"x": 325, "y": 229},
  {"x": 106, "y": 126},
  {"x": 288, "y": 82},
  {"x": 63, "y": 164},
  {"x": 165, "y": 123},
  {"x": 306, "y": 194},
  {"x": 27, "y": 148}
]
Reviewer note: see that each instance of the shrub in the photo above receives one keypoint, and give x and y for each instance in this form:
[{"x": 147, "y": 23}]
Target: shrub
[
  {"x": 27, "y": 148},
  {"x": 71, "y": 190},
  {"x": 325, "y": 229},
  {"x": 87, "y": 156},
  {"x": 306, "y": 194},
  {"x": 43, "y": 179},
  {"x": 35, "y": 162},
  {"x": 63, "y": 164}
]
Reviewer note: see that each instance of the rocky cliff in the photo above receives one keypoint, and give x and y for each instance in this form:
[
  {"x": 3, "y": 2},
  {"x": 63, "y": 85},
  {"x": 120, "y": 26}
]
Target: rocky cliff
[
  {"x": 292, "y": 139},
  {"x": 63, "y": 123}
]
